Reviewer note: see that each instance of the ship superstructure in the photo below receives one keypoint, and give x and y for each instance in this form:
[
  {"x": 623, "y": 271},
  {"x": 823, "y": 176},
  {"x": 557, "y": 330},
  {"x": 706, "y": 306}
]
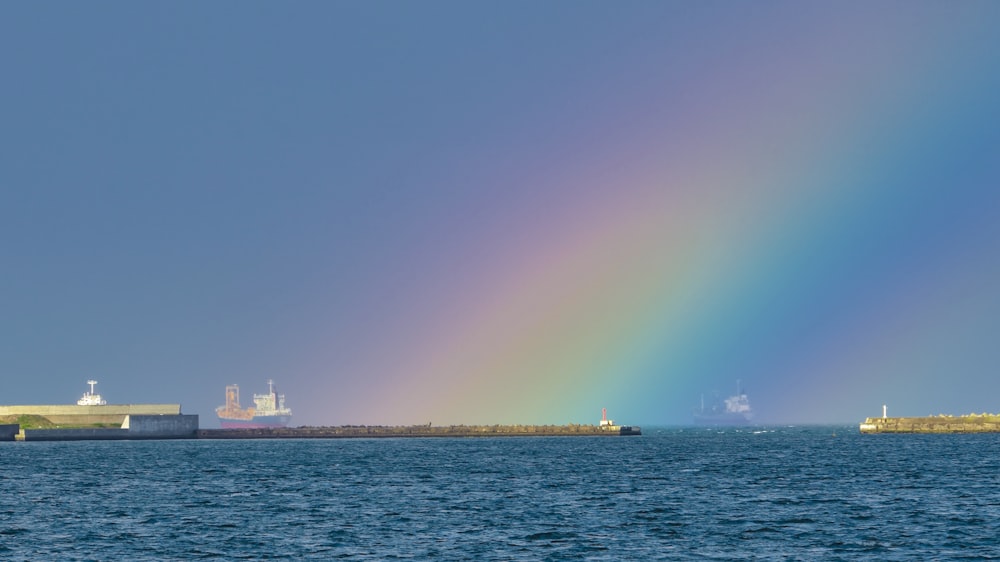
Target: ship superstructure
[
  {"x": 734, "y": 410},
  {"x": 269, "y": 409},
  {"x": 91, "y": 398}
]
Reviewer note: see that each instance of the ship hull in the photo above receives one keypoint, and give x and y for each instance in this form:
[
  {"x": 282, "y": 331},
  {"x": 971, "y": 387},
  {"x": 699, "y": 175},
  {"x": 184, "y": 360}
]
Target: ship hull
[{"x": 256, "y": 422}]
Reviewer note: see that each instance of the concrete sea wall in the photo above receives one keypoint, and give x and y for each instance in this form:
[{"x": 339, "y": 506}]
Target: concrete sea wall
[
  {"x": 70, "y": 422},
  {"x": 134, "y": 427},
  {"x": 66, "y": 414},
  {"x": 162, "y": 427},
  {"x": 8, "y": 431},
  {"x": 980, "y": 423},
  {"x": 89, "y": 415},
  {"x": 75, "y": 434}
]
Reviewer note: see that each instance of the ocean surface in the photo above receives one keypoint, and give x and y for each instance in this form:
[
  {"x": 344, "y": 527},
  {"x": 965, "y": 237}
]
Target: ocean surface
[{"x": 784, "y": 493}]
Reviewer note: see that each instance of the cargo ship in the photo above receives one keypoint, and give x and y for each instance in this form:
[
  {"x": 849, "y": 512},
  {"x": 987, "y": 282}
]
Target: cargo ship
[
  {"x": 733, "y": 411},
  {"x": 268, "y": 411}
]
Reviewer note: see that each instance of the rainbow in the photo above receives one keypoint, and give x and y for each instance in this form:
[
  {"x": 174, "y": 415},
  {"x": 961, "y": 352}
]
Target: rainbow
[{"x": 806, "y": 202}]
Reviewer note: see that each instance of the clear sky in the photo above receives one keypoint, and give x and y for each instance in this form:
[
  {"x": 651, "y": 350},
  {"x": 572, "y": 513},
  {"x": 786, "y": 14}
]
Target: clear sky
[{"x": 503, "y": 212}]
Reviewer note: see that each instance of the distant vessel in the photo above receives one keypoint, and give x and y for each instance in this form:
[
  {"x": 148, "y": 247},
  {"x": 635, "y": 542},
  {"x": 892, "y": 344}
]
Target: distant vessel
[
  {"x": 90, "y": 398},
  {"x": 268, "y": 410},
  {"x": 732, "y": 411}
]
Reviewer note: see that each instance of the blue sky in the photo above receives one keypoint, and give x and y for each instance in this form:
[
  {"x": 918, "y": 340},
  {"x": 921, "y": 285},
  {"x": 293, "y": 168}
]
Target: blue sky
[{"x": 502, "y": 212}]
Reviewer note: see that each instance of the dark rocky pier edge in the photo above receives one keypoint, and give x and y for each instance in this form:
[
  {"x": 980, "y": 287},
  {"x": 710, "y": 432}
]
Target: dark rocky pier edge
[
  {"x": 362, "y": 431},
  {"x": 971, "y": 423}
]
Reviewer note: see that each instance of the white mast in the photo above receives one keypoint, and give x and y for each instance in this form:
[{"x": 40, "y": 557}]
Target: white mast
[{"x": 91, "y": 398}]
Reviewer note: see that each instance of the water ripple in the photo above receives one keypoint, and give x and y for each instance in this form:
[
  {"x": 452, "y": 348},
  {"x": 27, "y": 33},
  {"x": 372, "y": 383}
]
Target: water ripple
[{"x": 785, "y": 493}]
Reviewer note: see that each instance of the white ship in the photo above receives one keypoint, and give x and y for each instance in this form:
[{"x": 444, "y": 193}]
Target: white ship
[
  {"x": 734, "y": 410},
  {"x": 91, "y": 398}
]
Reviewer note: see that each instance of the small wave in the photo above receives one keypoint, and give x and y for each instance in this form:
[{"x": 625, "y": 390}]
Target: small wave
[{"x": 550, "y": 536}]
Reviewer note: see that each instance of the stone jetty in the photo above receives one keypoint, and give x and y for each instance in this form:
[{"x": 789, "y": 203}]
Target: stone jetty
[{"x": 970, "y": 423}]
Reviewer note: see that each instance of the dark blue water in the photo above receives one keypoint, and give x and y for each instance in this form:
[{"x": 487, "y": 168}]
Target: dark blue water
[{"x": 782, "y": 494}]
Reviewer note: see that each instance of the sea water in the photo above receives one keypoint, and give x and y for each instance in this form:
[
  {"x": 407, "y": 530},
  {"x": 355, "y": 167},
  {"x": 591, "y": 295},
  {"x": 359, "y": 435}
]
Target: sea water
[{"x": 788, "y": 493}]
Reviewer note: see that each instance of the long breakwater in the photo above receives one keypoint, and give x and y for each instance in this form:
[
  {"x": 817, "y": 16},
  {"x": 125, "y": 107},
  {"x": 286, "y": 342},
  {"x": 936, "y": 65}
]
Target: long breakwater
[
  {"x": 362, "y": 431},
  {"x": 971, "y": 423},
  {"x": 186, "y": 427}
]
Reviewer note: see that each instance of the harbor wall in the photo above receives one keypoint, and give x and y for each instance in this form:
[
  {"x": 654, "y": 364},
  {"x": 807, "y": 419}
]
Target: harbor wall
[
  {"x": 161, "y": 427},
  {"x": 77, "y": 434},
  {"x": 982, "y": 423},
  {"x": 8, "y": 431},
  {"x": 418, "y": 431},
  {"x": 134, "y": 427},
  {"x": 90, "y": 415}
]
